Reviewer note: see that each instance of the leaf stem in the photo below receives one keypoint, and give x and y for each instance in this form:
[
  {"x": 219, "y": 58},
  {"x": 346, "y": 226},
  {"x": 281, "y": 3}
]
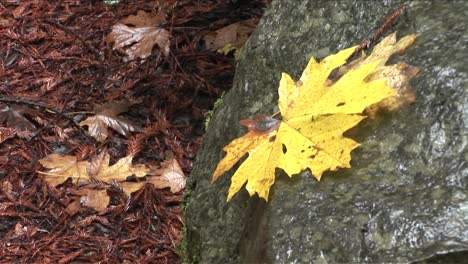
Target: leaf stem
[{"x": 275, "y": 114}]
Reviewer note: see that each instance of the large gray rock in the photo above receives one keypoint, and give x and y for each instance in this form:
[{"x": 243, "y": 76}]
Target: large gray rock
[{"x": 404, "y": 200}]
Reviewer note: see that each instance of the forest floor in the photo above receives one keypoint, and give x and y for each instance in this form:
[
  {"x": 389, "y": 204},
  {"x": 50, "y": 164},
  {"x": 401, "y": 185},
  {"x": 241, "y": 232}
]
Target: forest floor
[{"x": 97, "y": 100}]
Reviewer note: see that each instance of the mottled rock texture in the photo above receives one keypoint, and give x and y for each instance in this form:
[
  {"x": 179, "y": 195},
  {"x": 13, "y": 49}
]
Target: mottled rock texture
[{"x": 404, "y": 200}]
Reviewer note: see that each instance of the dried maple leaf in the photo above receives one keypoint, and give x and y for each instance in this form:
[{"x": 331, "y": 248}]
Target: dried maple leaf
[
  {"x": 97, "y": 199},
  {"x": 98, "y": 163},
  {"x": 232, "y": 37},
  {"x": 315, "y": 113},
  {"x": 169, "y": 175},
  {"x": 129, "y": 187},
  {"x": 107, "y": 116},
  {"x": 62, "y": 168},
  {"x": 138, "y": 42},
  {"x": 118, "y": 171},
  {"x": 73, "y": 207}
]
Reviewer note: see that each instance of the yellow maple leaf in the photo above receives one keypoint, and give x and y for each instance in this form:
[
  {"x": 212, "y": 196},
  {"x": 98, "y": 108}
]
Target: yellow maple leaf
[{"x": 315, "y": 113}]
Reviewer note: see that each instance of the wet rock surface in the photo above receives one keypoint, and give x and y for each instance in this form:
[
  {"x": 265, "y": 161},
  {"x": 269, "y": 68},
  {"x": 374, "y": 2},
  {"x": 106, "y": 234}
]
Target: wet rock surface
[{"x": 404, "y": 200}]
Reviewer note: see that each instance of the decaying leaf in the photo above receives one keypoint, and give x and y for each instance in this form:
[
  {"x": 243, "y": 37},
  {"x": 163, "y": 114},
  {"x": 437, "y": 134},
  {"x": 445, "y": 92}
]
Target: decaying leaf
[
  {"x": 107, "y": 116},
  {"x": 97, "y": 199},
  {"x": 138, "y": 41},
  {"x": 73, "y": 207},
  {"x": 66, "y": 167},
  {"x": 145, "y": 19},
  {"x": 315, "y": 113},
  {"x": 98, "y": 163},
  {"x": 397, "y": 75},
  {"x": 143, "y": 40},
  {"x": 62, "y": 168},
  {"x": 120, "y": 170},
  {"x": 13, "y": 116},
  {"x": 232, "y": 37},
  {"x": 130, "y": 187},
  {"x": 169, "y": 175},
  {"x": 99, "y": 170}
]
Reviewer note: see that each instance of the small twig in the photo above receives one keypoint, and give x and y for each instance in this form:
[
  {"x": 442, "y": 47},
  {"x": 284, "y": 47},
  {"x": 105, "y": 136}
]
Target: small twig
[
  {"x": 49, "y": 124},
  {"x": 31, "y": 103},
  {"x": 81, "y": 112},
  {"x": 365, "y": 44},
  {"x": 275, "y": 114}
]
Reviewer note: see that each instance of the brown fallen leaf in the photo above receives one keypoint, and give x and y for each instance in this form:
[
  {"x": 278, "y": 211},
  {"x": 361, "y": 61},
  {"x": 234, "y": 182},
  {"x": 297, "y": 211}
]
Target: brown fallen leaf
[
  {"x": 96, "y": 199},
  {"x": 13, "y": 116},
  {"x": 138, "y": 42},
  {"x": 145, "y": 19},
  {"x": 62, "y": 168},
  {"x": 232, "y": 37},
  {"x": 96, "y": 128},
  {"x": 107, "y": 116},
  {"x": 118, "y": 171},
  {"x": 130, "y": 187},
  {"x": 97, "y": 163},
  {"x": 169, "y": 175},
  {"x": 73, "y": 207}
]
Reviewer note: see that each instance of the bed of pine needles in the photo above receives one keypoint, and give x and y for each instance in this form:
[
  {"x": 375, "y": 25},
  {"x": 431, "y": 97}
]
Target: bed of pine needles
[{"x": 55, "y": 65}]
